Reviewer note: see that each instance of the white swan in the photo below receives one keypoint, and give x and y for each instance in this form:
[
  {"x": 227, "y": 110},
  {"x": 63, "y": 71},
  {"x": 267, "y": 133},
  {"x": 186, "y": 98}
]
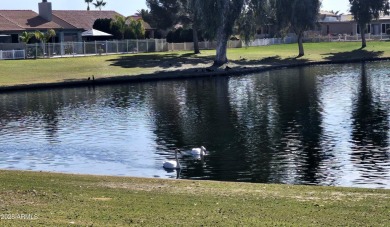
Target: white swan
[
  {"x": 173, "y": 164},
  {"x": 198, "y": 151}
]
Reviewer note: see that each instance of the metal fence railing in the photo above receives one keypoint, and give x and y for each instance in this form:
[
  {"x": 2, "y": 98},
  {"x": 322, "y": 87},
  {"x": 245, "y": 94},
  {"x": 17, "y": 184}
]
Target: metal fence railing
[
  {"x": 206, "y": 45},
  {"x": 65, "y": 49},
  {"x": 12, "y": 54},
  {"x": 272, "y": 41},
  {"x": 346, "y": 38},
  {"x": 39, "y": 50}
]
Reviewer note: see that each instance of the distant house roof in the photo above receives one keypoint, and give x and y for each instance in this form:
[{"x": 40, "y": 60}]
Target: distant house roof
[
  {"x": 81, "y": 18},
  {"x": 16, "y": 20},
  {"x": 22, "y": 20}
]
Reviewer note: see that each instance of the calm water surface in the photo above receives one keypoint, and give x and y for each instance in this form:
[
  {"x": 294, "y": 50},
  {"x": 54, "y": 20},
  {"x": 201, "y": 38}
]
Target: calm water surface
[{"x": 325, "y": 125}]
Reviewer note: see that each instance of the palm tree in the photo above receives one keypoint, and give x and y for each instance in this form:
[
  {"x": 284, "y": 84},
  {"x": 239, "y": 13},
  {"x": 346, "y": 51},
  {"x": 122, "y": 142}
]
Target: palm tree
[
  {"x": 44, "y": 37},
  {"x": 39, "y": 36},
  {"x": 49, "y": 34},
  {"x": 26, "y": 37},
  {"x": 99, "y": 4},
  {"x": 88, "y": 1}
]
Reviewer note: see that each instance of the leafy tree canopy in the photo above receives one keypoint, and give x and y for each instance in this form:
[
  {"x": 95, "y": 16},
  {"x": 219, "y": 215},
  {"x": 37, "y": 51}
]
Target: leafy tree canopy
[{"x": 364, "y": 11}]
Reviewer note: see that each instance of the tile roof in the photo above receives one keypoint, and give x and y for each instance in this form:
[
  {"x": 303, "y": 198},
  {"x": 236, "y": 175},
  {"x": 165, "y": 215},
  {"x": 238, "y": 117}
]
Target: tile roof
[
  {"x": 24, "y": 20},
  {"x": 21, "y": 20},
  {"x": 82, "y": 18},
  {"x": 7, "y": 25}
]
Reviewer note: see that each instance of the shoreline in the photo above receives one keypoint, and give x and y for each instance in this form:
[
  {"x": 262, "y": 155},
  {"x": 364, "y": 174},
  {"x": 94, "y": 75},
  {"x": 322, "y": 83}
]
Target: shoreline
[{"x": 178, "y": 74}]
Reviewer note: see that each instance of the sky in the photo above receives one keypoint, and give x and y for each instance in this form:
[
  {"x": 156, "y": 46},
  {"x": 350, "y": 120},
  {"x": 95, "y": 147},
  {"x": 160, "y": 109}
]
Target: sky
[{"x": 127, "y": 7}]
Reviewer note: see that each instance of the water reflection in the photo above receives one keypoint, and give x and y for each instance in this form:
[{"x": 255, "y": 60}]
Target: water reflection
[
  {"x": 370, "y": 133},
  {"x": 325, "y": 125}
]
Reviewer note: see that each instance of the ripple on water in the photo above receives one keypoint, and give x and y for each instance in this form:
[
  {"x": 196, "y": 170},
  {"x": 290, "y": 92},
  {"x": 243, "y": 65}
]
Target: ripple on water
[{"x": 325, "y": 125}]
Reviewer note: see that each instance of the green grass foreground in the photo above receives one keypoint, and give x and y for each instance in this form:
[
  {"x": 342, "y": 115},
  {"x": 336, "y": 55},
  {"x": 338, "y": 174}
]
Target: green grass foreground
[
  {"x": 79, "y": 200},
  {"x": 23, "y": 72}
]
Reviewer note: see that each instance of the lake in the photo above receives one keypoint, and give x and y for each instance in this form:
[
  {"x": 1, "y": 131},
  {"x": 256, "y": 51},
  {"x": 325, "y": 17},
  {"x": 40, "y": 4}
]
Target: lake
[{"x": 320, "y": 125}]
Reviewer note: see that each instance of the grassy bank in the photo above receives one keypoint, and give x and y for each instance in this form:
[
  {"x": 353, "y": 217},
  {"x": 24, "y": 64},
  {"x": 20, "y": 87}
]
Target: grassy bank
[
  {"x": 62, "y": 200},
  {"x": 76, "y": 69}
]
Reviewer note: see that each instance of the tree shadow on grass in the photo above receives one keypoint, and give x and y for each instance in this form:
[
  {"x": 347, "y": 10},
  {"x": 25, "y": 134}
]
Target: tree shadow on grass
[
  {"x": 165, "y": 61},
  {"x": 358, "y": 54},
  {"x": 273, "y": 60}
]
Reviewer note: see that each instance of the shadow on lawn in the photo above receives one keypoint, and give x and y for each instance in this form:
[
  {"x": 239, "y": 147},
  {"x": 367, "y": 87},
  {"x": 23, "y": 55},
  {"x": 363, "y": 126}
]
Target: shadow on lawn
[
  {"x": 273, "y": 60},
  {"x": 172, "y": 60},
  {"x": 160, "y": 60},
  {"x": 353, "y": 55}
]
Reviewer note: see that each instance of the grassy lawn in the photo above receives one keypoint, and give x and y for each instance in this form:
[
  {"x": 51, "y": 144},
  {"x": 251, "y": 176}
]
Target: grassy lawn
[
  {"x": 80, "y": 68},
  {"x": 63, "y": 200}
]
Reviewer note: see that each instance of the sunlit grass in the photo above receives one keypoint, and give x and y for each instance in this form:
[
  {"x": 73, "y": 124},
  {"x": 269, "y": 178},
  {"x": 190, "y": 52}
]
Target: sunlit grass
[
  {"x": 62, "y": 200},
  {"x": 80, "y": 68}
]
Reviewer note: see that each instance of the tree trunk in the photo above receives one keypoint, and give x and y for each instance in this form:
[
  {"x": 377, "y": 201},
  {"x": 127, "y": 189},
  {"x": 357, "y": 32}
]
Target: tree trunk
[
  {"x": 221, "y": 57},
  {"x": 363, "y": 34},
  {"x": 222, "y": 38},
  {"x": 300, "y": 45},
  {"x": 195, "y": 39}
]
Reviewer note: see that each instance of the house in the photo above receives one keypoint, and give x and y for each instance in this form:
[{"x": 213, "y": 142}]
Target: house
[
  {"x": 332, "y": 24},
  {"x": 68, "y": 24}
]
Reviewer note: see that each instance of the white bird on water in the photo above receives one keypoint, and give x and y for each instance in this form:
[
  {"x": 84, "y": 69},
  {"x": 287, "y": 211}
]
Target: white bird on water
[
  {"x": 173, "y": 164},
  {"x": 198, "y": 151}
]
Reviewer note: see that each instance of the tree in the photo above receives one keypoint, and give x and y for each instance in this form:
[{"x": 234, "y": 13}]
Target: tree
[
  {"x": 364, "y": 11},
  {"x": 120, "y": 23},
  {"x": 44, "y": 37},
  {"x": 100, "y": 4},
  {"x": 137, "y": 27},
  {"x": 105, "y": 25},
  {"x": 172, "y": 12},
  {"x": 191, "y": 15},
  {"x": 88, "y": 2},
  {"x": 219, "y": 17},
  {"x": 164, "y": 13},
  {"x": 255, "y": 14},
  {"x": 298, "y": 15},
  {"x": 26, "y": 37},
  {"x": 121, "y": 27}
]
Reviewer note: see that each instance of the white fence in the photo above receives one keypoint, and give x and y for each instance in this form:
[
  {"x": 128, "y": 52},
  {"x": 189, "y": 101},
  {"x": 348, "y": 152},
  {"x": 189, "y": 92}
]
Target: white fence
[
  {"x": 345, "y": 38},
  {"x": 207, "y": 45},
  {"x": 12, "y": 54},
  {"x": 272, "y": 41}
]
